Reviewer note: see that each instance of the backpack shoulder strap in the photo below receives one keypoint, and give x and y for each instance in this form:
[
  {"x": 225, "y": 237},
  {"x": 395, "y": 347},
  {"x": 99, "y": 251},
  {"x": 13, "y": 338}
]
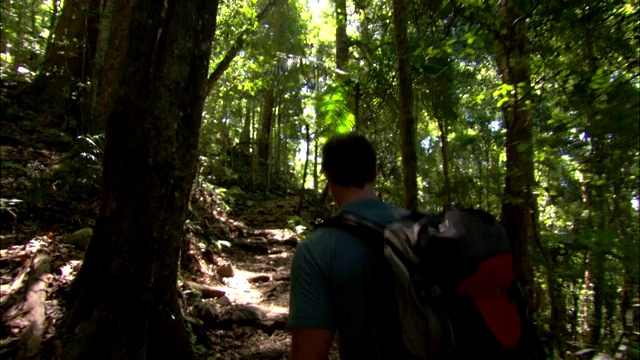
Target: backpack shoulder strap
[{"x": 353, "y": 224}]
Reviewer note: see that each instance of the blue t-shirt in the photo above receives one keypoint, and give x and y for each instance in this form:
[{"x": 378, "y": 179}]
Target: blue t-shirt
[{"x": 338, "y": 283}]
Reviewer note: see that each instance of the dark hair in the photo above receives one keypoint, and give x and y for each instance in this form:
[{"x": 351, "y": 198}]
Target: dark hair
[{"x": 349, "y": 160}]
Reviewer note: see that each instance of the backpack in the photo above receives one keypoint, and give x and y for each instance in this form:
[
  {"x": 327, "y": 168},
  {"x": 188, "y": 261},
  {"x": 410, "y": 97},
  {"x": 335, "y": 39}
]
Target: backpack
[{"x": 456, "y": 293}]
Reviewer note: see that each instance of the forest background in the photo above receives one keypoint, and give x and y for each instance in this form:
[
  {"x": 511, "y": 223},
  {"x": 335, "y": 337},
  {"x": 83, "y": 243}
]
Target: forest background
[{"x": 527, "y": 109}]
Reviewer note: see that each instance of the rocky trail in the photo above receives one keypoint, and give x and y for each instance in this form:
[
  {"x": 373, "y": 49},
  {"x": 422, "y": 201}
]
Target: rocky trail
[
  {"x": 249, "y": 320},
  {"x": 235, "y": 263}
]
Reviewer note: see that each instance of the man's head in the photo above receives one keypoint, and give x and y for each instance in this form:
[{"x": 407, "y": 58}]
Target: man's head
[{"x": 349, "y": 161}]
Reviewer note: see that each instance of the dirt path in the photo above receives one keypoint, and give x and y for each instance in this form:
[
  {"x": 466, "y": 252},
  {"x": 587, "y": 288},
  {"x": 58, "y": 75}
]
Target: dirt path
[{"x": 252, "y": 315}]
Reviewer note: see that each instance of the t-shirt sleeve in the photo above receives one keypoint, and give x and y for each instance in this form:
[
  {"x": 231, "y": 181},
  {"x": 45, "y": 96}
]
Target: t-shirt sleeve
[{"x": 310, "y": 303}]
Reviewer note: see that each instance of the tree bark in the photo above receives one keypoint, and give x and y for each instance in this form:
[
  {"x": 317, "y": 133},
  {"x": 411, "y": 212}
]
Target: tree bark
[
  {"x": 598, "y": 213},
  {"x": 360, "y": 123},
  {"x": 519, "y": 209},
  {"x": 52, "y": 24},
  {"x": 265, "y": 125},
  {"x": 245, "y": 136},
  {"x": 444, "y": 148},
  {"x": 406, "y": 119},
  {"x": 31, "y": 338},
  {"x": 278, "y": 137},
  {"x": 315, "y": 164},
  {"x": 342, "y": 41},
  {"x": 68, "y": 63},
  {"x": 304, "y": 171},
  {"x": 108, "y": 67},
  {"x": 123, "y": 303}
]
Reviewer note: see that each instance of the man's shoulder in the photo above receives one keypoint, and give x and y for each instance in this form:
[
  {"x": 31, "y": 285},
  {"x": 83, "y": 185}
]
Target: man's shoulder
[{"x": 376, "y": 211}]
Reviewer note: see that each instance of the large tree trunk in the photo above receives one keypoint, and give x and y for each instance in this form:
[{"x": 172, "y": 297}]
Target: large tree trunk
[
  {"x": 406, "y": 119},
  {"x": 519, "y": 209},
  {"x": 68, "y": 63},
  {"x": 598, "y": 213},
  {"x": 108, "y": 67},
  {"x": 123, "y": 303}
]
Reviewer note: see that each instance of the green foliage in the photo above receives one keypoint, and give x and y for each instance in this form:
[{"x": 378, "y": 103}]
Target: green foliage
[
  {"x": 300, "y": 226},
  {"x": 26, "y": 28},
  {"x": 583, "y": 97},
  {"x": 78, "y": 174},
  {"x": 333, "y": 110}
]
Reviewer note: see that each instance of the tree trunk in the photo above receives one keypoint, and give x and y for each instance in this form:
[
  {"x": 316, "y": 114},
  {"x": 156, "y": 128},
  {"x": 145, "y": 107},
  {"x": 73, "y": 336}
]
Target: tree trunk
[
  {"x": 519, "y": 209},
  {"x": 598, "y": 213},
  {"x": 360, "y": 124},
  {"x": 52, "y": 24},
  {"x": 622, "y": 211},
  {"x": 108, "y": 67},
  {"x": 265, "y": 125},
  {"x": 342, "y": 41},
  {"x": 304, "y": 171},
  {"x": 407, "y": 122},
  {"x": 316, "y": 147},
  {"x": 558, "y": 306},
  {"x": 444, "y": 145},
  {"x": 245, "y": 136},
  {"x": 278, "y": 137},
  {"x": 124, "y": 301},
  {"x": 68, "y": 63}
]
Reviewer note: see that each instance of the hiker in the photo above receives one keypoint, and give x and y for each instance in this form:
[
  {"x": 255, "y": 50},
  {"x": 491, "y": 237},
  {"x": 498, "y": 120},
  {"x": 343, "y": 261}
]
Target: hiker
[
  {"x": 394, "y": 284},
  {"x": 337, "y": 280}
]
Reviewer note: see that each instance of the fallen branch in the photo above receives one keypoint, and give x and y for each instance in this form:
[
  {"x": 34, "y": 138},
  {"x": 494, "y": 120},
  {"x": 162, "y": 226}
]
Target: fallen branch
[{"x": 30, "y": 342}]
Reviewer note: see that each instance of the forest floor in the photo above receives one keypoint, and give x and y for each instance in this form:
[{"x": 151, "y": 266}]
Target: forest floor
[{"x": 235, "y": 263}]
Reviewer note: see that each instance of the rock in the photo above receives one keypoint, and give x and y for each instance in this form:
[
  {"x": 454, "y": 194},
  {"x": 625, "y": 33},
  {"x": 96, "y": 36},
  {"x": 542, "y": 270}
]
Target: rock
[
  {"x": 209, "y": 292},
  {"x": 276, "y": 291},
  {"x": 252, "y": 247},
  {"x": 208, "y": 313},
  {"x": 262, "y": 278},
  {"x": 283, "y": 276},
  {"x": 292, "y": 241},
  {"x": 80, "y": 238},
  {"x": 277, "y": 250},
  {"x": 269, "y": 326},
  {"x": 247, "y": 313},
  {"x": 223, "y": 301},
  {"x": 209, "y": 255},
  {"x": 225, "y": 270}
]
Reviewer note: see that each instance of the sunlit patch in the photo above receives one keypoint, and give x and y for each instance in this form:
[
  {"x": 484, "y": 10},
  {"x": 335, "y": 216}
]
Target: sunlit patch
[
  {"x": 279, "y": 234},
  {"x": 282, "y": 255},
  {"x": 69, "y": 270}
]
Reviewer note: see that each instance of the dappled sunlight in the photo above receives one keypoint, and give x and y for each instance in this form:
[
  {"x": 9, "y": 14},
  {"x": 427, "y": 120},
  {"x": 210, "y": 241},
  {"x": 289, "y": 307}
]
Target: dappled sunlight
[{"x": 279, "y": 234}]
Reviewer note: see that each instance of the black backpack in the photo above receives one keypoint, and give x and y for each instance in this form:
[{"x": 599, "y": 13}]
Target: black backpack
[{"x": 456, "y": 293}]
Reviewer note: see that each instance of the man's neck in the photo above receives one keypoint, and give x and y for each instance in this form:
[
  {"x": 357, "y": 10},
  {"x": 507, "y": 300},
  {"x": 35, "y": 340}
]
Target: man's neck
[{"x": 345, "y": 195}]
